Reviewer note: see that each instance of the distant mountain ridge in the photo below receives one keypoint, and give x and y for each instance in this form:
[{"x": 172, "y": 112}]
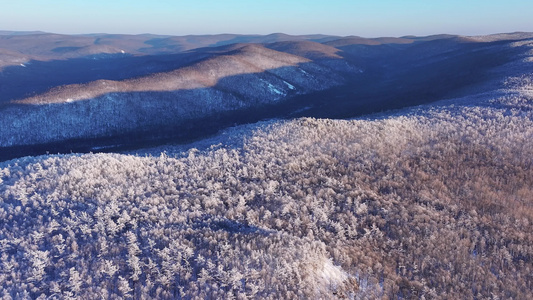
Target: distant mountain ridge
[
  {"x": 130, "y": 89},
  {"x": 48, "y": 46}
]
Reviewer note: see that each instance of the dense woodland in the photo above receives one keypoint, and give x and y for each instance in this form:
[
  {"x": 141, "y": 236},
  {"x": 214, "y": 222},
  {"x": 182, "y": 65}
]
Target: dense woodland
[{"x": 433, "y": 202}]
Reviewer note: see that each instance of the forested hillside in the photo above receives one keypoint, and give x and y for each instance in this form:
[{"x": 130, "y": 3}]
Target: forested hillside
[
  {"x": 75, "y": 102},
  {"x": 430, "y": 202}
]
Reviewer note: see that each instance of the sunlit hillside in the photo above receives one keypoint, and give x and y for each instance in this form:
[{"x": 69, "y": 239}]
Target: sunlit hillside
[{"x": 430, "y": 202}]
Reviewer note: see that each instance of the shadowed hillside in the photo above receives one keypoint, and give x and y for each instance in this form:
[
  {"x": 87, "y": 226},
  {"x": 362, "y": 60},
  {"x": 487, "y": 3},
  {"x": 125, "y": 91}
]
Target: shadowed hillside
[
  {"x": 237, "y": 60},
  {"x": 124, "y": 101}
]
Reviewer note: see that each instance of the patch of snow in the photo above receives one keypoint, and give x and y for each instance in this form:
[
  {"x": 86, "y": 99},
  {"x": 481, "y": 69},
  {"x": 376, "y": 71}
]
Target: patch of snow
[
  {"x": 98, "y": 148},
  {"x": 289, "y": 85},
  {"x": 23, "y": 65},
  {"x": 332, "y": 274},
  {"x": 528, "y": 43},
  {"x": 122, "y": 51},
  {"x": 502, "y": 37},
  {"x": 272, "y": 88},
  {"x": 69, "y": 100}
]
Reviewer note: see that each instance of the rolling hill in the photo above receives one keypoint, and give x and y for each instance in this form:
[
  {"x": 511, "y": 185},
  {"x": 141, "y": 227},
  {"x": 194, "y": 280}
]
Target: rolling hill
[
  {"x": 84, "y": 94},
  {"x": 432, "y": 201},
  {"x": 44, "y": 46}
]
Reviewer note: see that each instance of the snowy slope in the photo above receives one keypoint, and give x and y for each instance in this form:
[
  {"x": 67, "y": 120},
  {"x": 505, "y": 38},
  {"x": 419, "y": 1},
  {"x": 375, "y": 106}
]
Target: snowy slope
[{"x": 431, "y": 201}]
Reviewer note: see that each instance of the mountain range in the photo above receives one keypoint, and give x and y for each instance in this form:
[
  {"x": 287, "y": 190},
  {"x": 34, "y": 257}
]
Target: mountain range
[{"x": 126, "y": 91}]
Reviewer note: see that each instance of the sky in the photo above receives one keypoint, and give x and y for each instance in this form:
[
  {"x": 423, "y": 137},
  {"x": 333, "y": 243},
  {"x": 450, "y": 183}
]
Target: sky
[{"x": 368, "y": 18}]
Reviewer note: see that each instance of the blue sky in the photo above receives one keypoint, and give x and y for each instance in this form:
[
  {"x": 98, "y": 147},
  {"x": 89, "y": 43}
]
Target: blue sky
[{"x": 368, "y": 18}]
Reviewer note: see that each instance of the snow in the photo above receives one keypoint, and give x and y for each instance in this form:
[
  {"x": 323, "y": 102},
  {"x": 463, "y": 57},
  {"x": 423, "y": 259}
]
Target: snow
[
  {"x": 289, "y": 85},
  {"x": 273, "y": 89},
  {"x": 23, "y": 65},
  {"x": 502, "y": 37},
  {"x": 99, "y": 148},
  {"x": 332, "y": 274},
  {"x": 122, "y": 51}
]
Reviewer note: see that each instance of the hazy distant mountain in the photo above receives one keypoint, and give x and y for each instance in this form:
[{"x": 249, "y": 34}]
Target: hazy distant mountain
[
  {"x": 307, "y": 49},
  {"x": 48, "y": 46}
]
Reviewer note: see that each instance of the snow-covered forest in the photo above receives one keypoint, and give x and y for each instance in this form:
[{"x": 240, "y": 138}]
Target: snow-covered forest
[{"x": 430, "y": 202}]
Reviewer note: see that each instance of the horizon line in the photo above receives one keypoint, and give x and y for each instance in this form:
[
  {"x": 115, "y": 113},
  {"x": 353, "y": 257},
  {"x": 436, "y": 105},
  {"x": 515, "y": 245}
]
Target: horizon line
[{"x": 29, "y": 32}]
